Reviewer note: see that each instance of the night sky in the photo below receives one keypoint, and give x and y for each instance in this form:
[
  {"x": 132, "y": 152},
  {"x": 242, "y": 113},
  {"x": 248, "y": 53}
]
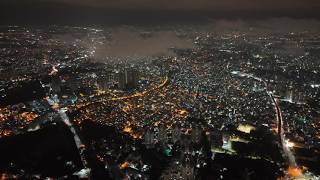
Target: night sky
[
  {"x": 12, "y": 11},
  {"x": 185, "y": 4}
]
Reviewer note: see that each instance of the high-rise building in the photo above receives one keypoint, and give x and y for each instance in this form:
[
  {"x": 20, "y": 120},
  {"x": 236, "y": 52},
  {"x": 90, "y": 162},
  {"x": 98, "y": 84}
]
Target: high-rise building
[
  {"x": 128, "y": 79},
  {"x": 162, "y": 135},
  {"x": 149, "y": 139},
  {"x": 196, "y": 134},
  {"x": 176, "y": 134},
  {"x": 215, "y": 140},
  {"x": 56, "y": 84},
  {"x": 289, "y": 95}
]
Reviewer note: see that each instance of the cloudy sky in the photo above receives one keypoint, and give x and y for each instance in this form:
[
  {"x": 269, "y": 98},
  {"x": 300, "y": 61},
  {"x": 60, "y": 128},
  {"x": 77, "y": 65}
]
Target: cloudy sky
[
  {"x": 188, "y": 4},
  {"x": 40, "y": 10},
  {"x": 230, "y": 4}
]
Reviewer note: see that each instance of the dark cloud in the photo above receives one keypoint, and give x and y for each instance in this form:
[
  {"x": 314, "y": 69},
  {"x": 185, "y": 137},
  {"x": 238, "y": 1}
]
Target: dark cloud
[
  {"x": 126, "y": 43},
  {"x": 265, "y": 26},
  {"x": 97, "y": 11},
  {"x": 129, "y": 42},
  {"x": 194, "y": 4}
]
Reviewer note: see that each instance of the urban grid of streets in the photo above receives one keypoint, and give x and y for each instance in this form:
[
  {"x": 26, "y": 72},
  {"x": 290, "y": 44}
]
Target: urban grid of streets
[{"x": 196, "y": 82}]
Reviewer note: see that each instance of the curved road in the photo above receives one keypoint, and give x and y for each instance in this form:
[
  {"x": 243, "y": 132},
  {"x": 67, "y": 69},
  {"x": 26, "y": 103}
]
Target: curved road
[
  {"x": 286, "y": 150},
  {"x": 138, "y": 94},
  {"x": 288, "y": 154}
]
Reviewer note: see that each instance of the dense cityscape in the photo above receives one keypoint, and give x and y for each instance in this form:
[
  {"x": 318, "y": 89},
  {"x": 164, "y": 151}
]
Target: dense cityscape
[{"x": 211, "y": 105}]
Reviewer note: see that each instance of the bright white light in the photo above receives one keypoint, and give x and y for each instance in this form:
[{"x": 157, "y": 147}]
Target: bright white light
[
  {"x": 289, "y": 144},
  {"x": 83, "y": 173}
]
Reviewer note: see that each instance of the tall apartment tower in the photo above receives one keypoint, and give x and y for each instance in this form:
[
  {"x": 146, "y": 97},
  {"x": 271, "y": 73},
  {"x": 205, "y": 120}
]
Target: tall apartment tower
[{"x": 128, "y": 79}]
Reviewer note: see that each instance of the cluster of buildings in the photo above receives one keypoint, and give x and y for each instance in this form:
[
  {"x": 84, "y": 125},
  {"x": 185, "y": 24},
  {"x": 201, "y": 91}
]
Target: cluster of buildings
[{"x": 152, "y": 101}]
